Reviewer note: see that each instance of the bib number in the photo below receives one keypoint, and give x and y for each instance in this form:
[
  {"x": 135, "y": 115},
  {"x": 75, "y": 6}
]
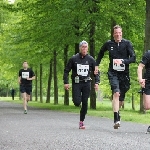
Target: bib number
[
  {"x": 25, "y": 75},
  {"x": 118, "y": 67},
  {"x": 82, "y": 70}
]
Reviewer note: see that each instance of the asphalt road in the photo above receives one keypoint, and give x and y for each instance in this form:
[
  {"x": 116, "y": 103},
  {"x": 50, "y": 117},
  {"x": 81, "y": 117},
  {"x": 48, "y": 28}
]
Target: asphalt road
[{"x": 51, "y": 130}]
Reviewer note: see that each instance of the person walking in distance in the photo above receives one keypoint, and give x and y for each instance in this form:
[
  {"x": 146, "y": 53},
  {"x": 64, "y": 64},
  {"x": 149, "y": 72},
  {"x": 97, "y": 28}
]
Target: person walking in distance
[
  {"x": 26, "y": 75},
  {"x": 12, "y": 93},
  {"x": 144, "y": 81},
  {"x": 121, "y": 54},
  {"x": 81, "y": 64}
]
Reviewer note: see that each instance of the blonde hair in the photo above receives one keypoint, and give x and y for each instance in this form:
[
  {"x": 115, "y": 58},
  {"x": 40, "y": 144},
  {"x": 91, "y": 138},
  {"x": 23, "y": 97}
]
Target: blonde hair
[{"x": 117, "y": 27}]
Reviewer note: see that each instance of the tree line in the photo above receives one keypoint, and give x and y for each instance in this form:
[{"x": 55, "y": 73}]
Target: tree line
[{"x": 47, "y": 33}]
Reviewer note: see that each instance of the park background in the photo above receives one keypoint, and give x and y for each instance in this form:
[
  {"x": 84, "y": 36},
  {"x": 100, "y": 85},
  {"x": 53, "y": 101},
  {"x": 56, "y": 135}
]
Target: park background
[{"x": 46, "y": 33}]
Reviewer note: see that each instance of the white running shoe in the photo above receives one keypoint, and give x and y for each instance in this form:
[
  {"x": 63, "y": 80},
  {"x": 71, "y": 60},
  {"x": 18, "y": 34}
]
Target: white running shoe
[{"x": 117, "y": 125}]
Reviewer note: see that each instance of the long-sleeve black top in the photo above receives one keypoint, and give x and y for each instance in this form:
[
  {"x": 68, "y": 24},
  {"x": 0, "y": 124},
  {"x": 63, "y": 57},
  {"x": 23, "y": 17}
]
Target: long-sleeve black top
[
  {"x": 82, "y": 60},
  {"x": 146, "y": 61},
  {"x": 122, "y": 50}
]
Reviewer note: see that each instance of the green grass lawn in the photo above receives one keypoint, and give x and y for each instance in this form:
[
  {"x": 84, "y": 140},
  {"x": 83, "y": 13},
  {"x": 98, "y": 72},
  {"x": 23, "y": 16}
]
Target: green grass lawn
[{"x": 104, "y": 109}]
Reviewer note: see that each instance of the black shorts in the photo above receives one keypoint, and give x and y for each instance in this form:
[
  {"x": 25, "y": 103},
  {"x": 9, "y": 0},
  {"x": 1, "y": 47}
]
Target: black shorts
[
  {"x": 26, "y": 88},
  {"x": 146, "y": 90},
  {"x": 120, "y": 82}
]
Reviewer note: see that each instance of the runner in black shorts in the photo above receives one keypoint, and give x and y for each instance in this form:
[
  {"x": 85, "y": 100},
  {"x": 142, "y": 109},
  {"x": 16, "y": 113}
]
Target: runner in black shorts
[
  {"x": 121, "y": 54},
  {"x": 145, "y": 83},
  {"x": 25, "y": 78}
]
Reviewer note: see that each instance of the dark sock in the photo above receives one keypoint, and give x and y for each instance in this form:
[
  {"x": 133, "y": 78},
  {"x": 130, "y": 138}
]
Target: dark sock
[
  {"x": 118, "y": 116},
  {"x": 115, "y": 117}
]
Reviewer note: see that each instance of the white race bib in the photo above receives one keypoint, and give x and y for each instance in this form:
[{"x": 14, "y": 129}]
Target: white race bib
[
  {"x": 25, "y": 75},
  {"x": 118, "y": 67},
  {"x": 82, "y": 70}
]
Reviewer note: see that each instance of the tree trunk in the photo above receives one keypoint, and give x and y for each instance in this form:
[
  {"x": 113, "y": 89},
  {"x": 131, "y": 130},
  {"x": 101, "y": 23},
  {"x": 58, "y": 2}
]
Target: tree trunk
[
  {"x": 32, "y": 83},
  {"x": 41, "y": 92},
  {"x": 77, "y": 33},
  {"x": 7, "y": 91},
  {"x": 92, "y": 53},
  {"x": 146, "y": 43},
  {"x": 36, "y": 86},
  {"x": 55, "y": 79},
  {"x": 113, "y": 23},
  {"x": 49, "y": 83},
  {"x": 76, "y": 48},
  {"x": 133, "y": 105},
  {"x": 66, "y": 96}
]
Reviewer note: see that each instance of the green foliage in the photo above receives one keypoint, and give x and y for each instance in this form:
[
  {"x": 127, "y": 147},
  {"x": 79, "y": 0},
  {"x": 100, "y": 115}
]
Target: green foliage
[{"x": 32, "y": 29}]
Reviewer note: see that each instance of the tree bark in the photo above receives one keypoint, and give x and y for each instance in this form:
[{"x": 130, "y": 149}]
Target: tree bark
[
  {"x": 49, "y": 82},
  {"x": 77, "y": 33},
  {"x": 41, "y": 92},
  {"x": 66, "y": 95},
  {"x": 36, "y": 86},
  {"x": 133, "y": 105},
  {"x": 55, "y": 79},
  {"x": 113, "y": 23},
  {"x": 92, "y": 53}
]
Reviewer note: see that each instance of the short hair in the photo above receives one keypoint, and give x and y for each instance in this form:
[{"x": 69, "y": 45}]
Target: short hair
[
  {"x": 83, "y": 42},
  {"x": 25, "y": 61},
  {"x": 117, "y": 27}
]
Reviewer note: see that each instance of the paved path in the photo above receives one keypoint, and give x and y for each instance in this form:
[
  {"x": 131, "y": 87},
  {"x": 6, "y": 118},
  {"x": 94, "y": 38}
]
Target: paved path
[{"x": 51, "y": 130}]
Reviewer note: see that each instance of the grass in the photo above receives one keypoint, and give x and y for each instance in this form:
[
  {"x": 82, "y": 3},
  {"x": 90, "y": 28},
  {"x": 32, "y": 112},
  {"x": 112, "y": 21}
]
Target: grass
[{"x": 104, "y": 109}]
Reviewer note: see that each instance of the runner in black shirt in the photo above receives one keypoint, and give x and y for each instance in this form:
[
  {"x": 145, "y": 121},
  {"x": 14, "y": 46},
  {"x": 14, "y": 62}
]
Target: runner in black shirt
[
  {"x": 25, "y": 78},
  {"x": 145, "y": 81},
  {"x": 121, "y": 54},
  {"x": 81, "y": 65}
]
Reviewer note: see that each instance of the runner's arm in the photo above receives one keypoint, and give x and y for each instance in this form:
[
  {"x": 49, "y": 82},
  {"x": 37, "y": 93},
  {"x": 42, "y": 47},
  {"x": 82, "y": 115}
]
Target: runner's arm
[{"x": 132, "y": 57}]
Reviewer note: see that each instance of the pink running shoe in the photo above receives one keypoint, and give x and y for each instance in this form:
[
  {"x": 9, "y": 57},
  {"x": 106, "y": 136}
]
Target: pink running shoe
[{"x": 81, "y": 125}]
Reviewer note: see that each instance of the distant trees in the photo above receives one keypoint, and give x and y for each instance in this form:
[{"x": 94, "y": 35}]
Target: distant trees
[{"x": 46, "y": 34}]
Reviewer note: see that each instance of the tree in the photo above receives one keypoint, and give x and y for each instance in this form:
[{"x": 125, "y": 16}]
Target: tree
[
  {"x": 49, "y": 82},
  {"x": 66, "y": 95}
]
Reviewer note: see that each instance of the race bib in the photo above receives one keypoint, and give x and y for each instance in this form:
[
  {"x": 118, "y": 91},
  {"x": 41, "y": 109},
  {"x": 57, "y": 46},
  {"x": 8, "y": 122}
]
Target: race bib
[
  {"x": 25, "y": 75},
  {"x": 118, "y": 67},
  {"x": 82, "y": 70}
]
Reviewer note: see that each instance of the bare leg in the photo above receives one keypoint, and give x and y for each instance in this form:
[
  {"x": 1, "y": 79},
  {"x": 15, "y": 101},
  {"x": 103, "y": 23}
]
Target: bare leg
[
  {"x": 115, "y": 102},
  {"x": 24, "y": 100},
  {"x": 115, "y": 105},
  {"x": 28, "y": 97},
  {"x": 146, "y": 101}
]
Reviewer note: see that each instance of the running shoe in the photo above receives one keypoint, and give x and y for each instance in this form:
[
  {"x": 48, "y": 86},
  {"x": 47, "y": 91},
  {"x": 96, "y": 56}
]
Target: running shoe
[
  {"x": 148, "y": 129},
  {"x": 117, "y": 125},
  {"x": 81, "y": 125},
  {"x": 25, "y": 111}
]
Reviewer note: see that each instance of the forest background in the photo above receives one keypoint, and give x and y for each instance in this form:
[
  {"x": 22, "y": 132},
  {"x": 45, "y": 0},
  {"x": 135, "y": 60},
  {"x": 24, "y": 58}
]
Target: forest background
[{"x": 46, "y": 33}]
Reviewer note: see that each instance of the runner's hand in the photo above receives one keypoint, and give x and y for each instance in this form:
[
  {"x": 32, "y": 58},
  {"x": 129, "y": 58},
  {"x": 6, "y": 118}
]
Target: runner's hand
[
  {"x": 117, "y": 61},
  {"x": 66, "y": 86},
  {"x": 29, "y": 78},
  {"x": 96, "y": 87},
  {"x": 142, "y": 83}
]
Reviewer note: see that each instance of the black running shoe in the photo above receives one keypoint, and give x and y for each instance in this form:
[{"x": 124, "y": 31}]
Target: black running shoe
[{"x": 148, "y": 129}]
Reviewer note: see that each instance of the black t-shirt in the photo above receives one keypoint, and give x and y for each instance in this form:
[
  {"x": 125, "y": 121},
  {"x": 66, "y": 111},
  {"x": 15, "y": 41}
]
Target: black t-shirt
[
  {"x": 146, "y": 61},
  {"x": 24, "y": 74}
]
